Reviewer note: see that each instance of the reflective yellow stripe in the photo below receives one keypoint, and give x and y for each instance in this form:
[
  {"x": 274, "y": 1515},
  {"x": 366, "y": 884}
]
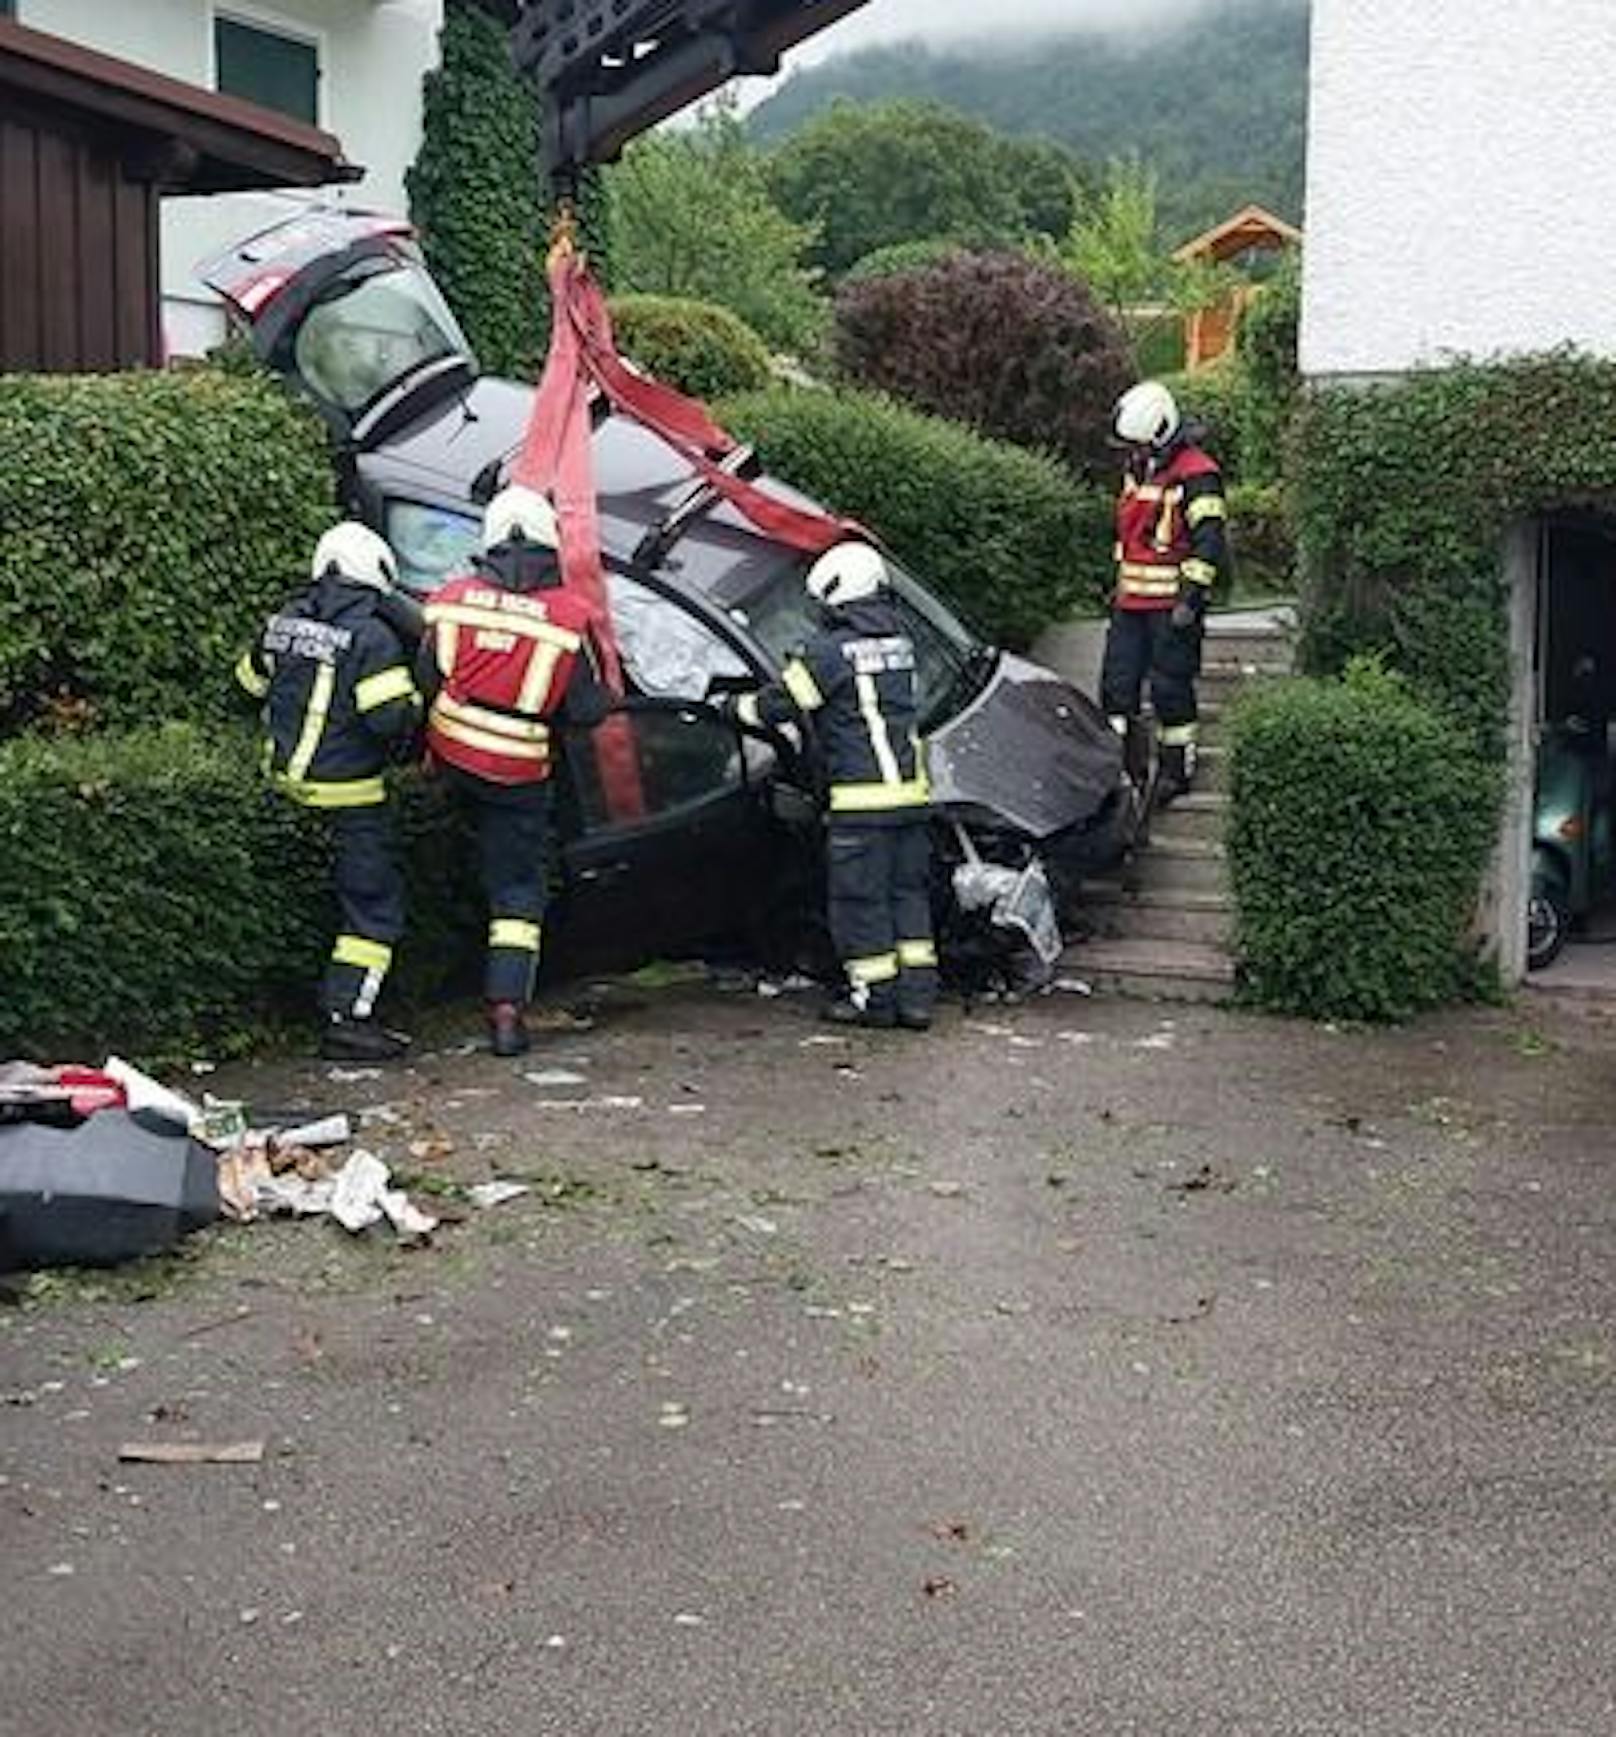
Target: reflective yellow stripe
[
  {"x": 917, "y": 955},
  {"x": 512, "y": 932},
  {"x": 366, "y": 955},
  {"x": 251, "y": 677},
  {"x": 503, "y": 621},
  {"x": 495, "y": 723},
  {"x": 348, "y": 793},
  {"x": 875, "y": 798},
  {"x": 448, "y": 647},
  {"x": 394, "y": 683},
  {"x": 1148, "y": 492},
  {"x": 800, "y": 684},
  {"x": 1164, "y": 523},
  {"x": 1199, "y": 572},
  {"x": 1177, "y": 735},
  {"x": 1150, "y": 574},
  {"x": 875, "y": 725},
  {"x": 878, "y": 968},
  {"x": 541, "y": 666},
  {"x": 1205, "y": 507},
  {"x": 491, "y": 744},
  {"x": 308, "y": 740},
  {"x": 746, "y": 710}
]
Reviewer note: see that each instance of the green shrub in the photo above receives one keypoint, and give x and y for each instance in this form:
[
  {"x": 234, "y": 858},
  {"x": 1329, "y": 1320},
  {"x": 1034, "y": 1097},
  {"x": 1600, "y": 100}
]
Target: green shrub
[
  {"x": 155, "y": 894},
  {"x": 1215, "y": 396},
  {"x": 1265, "y": 350},
  {"x": 1262, "y": 540},
  {"x": 1005, "y": 535},
  {"x": 699, "y": 347},
  {"x": 1360, "y": 822},
  {"x": 899, "y": 257},
  {"x": 1016, "y": 349},
  {"x": 148, "y": 522}
]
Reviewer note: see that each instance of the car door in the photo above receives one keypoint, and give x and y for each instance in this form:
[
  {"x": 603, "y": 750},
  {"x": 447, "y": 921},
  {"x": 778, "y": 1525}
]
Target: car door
[{"x": 669, "y": 847}]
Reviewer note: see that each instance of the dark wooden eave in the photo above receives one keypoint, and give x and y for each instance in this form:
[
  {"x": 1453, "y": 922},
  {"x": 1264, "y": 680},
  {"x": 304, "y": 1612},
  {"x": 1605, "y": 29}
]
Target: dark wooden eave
[{"x": 179, "y": 136}]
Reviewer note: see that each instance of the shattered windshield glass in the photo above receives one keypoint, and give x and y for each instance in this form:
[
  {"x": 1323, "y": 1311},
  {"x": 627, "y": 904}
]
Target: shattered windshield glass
[
  {"x": 949, "y": 657},
  {"x": 367, "y": 333}
]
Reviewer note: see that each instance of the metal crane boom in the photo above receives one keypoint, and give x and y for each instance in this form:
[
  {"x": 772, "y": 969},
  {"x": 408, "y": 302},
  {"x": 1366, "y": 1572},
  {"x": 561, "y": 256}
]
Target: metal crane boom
[{"x": 608, "y": 70}]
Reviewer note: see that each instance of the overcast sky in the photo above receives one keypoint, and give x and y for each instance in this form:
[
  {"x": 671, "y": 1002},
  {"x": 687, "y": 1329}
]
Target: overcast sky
[{"x": 940, "y": 20}]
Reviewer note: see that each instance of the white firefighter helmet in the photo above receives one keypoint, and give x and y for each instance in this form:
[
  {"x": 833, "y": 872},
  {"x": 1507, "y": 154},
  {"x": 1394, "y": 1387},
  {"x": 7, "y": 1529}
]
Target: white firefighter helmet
[
  {"x": 520, "y": 514},
  {"x": 353, "y": 552},
  {"x": 846, "y": 573},
  {"x": 1146, "y": 415}
]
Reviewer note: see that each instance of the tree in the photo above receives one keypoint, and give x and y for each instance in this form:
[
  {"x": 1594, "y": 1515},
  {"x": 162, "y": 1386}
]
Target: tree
[
  {"x": 690, "y": 215},
  {"x": 869, "y": 178},
  {"x": 1017, "y": 349},
  {"x": 474, "y": 193}
]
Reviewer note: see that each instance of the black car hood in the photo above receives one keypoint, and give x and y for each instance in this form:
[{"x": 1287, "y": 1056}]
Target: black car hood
[{"x": 1030, "y": 752}]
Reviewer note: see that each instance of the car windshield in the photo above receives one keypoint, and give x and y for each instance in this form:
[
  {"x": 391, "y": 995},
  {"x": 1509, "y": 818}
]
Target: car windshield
[
  {"x": 666, "y": 650},
  {"x": 949, "y": 658},
  {"x": 367, "y": 333}
]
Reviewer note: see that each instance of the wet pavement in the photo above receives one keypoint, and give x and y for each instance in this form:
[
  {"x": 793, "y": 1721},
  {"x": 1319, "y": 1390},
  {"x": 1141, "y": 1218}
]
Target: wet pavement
[{"x": 1087, "y": 1367}]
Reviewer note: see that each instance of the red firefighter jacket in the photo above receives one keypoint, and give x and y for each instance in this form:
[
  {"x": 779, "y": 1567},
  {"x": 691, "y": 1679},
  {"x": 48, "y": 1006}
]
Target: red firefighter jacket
[
  {"x": 1170, "y": 530},
  {"x": 505, "y": 664}
]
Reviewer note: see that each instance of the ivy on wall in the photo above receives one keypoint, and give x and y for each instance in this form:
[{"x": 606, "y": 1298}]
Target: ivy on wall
[{"x": 477, "y": 198}]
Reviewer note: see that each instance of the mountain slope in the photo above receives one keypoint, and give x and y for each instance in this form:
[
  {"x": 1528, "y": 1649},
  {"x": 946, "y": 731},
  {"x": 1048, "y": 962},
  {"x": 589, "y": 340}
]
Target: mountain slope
[{"x": 1218, "y": 102}]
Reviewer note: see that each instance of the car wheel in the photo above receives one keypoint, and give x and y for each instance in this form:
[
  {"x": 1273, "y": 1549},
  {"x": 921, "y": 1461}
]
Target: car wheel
[{"x": 1548, "y": 923}]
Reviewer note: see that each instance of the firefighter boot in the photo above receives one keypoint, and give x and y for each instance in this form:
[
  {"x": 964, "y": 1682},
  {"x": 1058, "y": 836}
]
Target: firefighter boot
[
  {"x": 360, "y": 1040},
  {"x": 1136, "y": 754},
  {"x": 507, "y": 1028},
  {"x": 871, "y": 1008},
  {"x": 1175, "y": 774}
]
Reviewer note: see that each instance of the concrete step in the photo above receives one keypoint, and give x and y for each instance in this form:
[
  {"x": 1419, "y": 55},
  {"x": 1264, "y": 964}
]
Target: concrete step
[
  {"x": 1269, "y": 649},
  {"x": 1201, "y": 815},
  {"x": 1122, "y": 913},
  {"x": 1154, "y": 970},
  {"x": 1173, "y": 863},
  {"x": 1211, "y": 771}
]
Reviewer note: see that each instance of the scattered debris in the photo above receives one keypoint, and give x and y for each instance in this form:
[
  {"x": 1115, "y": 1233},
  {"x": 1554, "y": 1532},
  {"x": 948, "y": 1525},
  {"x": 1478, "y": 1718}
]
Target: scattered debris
[
  {"x": 352, "y": 1076},
  {"x": 549, "y": 1077},
  {"x": 1204, "y": 1179},
  {"x": 1202, "y": 1308},
  {"x": 192, "y": 1453},
  {"x": 1072, "y": 986},
  {"x": 938, "y": 1586},
  {"x": 947, "y": 1190},
  {"x": 488, "y": 1194}
]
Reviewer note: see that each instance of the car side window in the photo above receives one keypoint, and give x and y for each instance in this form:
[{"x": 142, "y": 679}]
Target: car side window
[{"x": 651, "y": 765}]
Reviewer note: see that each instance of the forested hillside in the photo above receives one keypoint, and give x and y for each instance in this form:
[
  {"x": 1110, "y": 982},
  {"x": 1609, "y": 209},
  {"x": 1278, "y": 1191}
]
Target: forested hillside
[{"x": 1217, "y": 101}]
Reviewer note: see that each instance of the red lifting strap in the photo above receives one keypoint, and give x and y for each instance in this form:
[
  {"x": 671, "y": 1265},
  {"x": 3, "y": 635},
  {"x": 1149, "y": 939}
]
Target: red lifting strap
[{"x": 557, "y": 459}]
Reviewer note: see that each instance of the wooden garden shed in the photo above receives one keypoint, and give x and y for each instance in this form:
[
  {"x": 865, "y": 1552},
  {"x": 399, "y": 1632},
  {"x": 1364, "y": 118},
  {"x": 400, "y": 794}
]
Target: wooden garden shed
[
  {"x": 88, "y": 146},
  {"x": 1210, "y": 331}
]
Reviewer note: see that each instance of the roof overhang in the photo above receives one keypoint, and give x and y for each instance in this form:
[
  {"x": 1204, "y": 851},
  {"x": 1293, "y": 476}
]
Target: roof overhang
[{"x": 176, "y": 135}]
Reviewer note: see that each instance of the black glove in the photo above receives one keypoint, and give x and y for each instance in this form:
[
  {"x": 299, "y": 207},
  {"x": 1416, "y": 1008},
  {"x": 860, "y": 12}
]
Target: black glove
[{"x": 1189, "y": 608}]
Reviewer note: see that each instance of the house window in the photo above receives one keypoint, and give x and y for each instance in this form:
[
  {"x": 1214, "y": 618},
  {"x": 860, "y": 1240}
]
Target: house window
[
  {"x": 263, "y": 66},
  {"x": 8, "y": 8}
]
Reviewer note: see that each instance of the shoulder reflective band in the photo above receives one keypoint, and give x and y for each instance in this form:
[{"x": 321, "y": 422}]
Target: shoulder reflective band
[
  {"x": 800, "y": 684},
  {"x": 746, "y": 710},
  {"x": 365, "y": 955},
  {"x": 1205, "y": 507},
  {"x": 513, "y": 932},
  {"x": 1199, "y": 572},
  {"x": 393, "y": 683},
  {"x": 251, "y": 677},
  {"x": 502, "y": 621},
  {"x": 348, "y": 793},
  {"x": 917, "y": 955},
  {"x": 877, "y": 798},
  {"x": 308, "y": 740}
]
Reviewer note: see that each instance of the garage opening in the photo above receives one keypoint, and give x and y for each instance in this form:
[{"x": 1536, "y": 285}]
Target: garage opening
[{"x": 1571, "y": 916}]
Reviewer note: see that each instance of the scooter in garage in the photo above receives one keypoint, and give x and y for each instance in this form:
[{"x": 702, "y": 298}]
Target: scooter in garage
[{"x": 1573, "y": 852}]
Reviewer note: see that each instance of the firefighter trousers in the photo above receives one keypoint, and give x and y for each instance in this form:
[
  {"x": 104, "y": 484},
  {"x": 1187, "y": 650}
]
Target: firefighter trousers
[
  {"x": 1144, "y": 643},
  {"x": 369, "y": 883},
  {"x": 879, "y": 893},
  {"x": 513, "y": 843}
]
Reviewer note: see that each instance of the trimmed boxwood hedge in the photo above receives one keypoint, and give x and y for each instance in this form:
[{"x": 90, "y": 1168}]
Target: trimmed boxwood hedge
[
  {"x": 1007, "y": 536},
  {"x": 155, "y": 894},
  {"x": 699, "y": 347},
  {"x": 1361, "y": 820},
  {"x": 148, "y": 523}
]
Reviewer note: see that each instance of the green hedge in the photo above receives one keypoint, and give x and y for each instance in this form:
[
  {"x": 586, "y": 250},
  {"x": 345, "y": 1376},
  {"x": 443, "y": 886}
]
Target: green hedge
[
  {"x": 699, "y": 347},
  {"x": 1217, "y": 397},
  {"x": 1361, "y": 820},
  {"x": 1005, "y": 535},
  {"x": 1263, "y": 541},
  {"x": 899, "y": 257},
  {"x": 156, "y": 895},
  {"x": 148, "y": 522}
]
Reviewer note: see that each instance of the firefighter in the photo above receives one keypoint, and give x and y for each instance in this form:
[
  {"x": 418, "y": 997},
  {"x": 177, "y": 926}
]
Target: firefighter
[
  {"x": 855, "y": 679},
  {"x": 340, "y": 703},
  {"x": 1171, "y": 548},
  {"x": 506, "y": 652}
]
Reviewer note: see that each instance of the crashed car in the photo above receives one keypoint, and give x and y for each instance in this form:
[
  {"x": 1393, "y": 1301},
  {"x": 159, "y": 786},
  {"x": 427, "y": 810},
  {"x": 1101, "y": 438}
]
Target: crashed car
[{"x": 724, "y": 844}]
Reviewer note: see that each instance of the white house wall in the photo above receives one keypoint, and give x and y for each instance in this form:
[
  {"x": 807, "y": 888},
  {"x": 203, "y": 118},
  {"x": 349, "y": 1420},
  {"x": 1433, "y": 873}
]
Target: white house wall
[
  {"x": 1459, "y": 163},
  {"x": 374, "y": 55}
]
